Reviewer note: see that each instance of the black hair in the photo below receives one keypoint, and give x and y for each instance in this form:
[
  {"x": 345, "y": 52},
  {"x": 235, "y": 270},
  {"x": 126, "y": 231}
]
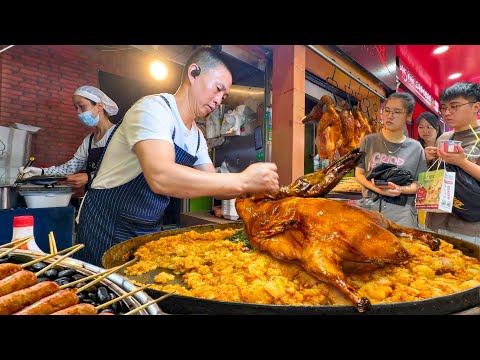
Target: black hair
[
  {"x": 432, "y": 119},
  {"x": 206, "y": 57},
  {"x": 467, "y": 90},
  {"x": 406, "y": 97}
]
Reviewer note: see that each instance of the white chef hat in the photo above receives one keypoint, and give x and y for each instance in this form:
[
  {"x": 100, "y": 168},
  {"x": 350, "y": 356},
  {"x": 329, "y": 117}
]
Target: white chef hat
[{"x": 97, "y": 95}]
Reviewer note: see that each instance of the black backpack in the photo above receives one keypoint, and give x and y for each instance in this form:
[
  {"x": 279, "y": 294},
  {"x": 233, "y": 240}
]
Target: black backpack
[{"x": 466, "y": 202}]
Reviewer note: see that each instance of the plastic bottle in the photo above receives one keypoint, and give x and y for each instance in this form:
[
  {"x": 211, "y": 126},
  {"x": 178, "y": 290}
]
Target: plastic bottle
[{"x": 23, "y": 227}]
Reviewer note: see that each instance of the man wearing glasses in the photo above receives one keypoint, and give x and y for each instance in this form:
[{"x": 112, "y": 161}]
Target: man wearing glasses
[
  {"x": 392, "y": 146},
  {"x": 460, "y": 104}
]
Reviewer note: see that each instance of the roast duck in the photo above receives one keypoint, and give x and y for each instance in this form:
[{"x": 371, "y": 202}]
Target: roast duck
[
  {"x": 339, "y": 129},
  {"x": 329, "y": 128},
  {"x": 327, "y": 237}
]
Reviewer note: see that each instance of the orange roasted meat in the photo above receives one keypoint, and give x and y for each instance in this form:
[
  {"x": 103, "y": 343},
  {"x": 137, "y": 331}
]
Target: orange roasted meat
[
  {"x": 329, "y": 128},
  {"x": 323, "y": 234}
]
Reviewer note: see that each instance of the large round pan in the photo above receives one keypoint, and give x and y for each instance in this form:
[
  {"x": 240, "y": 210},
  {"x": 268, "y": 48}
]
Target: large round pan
[{"x": 179, "y": 304}]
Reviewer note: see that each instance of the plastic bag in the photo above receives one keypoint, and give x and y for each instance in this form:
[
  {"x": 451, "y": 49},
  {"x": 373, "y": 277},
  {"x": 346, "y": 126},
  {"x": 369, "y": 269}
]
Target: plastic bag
[
  {"x": 435, "y": 191},
  {"x": 213, "y": 125}
]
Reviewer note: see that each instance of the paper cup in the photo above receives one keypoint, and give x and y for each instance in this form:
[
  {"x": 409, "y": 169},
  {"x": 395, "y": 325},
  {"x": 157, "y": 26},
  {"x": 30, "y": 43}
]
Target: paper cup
[{"x": 450, "y": 146}]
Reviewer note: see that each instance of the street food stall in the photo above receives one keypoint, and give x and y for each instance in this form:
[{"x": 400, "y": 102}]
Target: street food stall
[{"x": 216, "y": 265}]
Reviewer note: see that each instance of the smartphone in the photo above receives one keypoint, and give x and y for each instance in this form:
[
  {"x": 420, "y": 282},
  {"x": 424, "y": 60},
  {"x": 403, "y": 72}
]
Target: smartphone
[{"x": 381, "y": 183}]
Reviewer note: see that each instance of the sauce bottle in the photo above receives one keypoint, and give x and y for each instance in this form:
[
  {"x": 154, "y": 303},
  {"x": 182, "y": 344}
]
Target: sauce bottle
[{"x": 23, "y": 227}]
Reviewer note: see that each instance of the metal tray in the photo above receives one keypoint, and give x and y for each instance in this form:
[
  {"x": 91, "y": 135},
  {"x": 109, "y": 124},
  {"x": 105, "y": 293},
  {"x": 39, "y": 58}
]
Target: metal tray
[
  {"x": 180, "y": 304},
  {"x": 115, "y": 282},
  {"x": 43, "y": 180}
]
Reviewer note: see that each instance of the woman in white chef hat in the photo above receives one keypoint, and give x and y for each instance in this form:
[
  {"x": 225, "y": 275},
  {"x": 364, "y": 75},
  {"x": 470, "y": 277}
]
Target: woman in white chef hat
[{"x": 93, "y": 108}]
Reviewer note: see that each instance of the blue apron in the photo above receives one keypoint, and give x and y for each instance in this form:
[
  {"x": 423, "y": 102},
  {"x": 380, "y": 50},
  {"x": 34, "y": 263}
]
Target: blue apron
[
  {"x": 111, "y": 216},
  {"x": 94, "y": 156}
]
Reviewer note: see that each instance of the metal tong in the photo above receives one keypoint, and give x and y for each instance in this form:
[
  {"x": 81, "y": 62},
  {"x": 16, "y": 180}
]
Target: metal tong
[{"x": 20, "y": 176}]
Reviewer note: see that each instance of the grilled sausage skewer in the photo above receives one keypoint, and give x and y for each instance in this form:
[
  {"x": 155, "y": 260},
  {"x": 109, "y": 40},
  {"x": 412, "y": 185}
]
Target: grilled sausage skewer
[
  {"x": 62, "y": 299},
  {"x": 7, "y": 269},
  {"x": 24, "y": 278},
  {"x": 17, "y": 281},
  {"x": 88, "y": 309},
  {"x": 19, "y": 299},
  {"x": 57, "y": 301}
]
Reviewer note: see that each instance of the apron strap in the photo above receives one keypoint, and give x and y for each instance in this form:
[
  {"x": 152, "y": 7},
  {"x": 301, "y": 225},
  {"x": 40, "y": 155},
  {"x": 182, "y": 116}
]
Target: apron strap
[
  {"x": 164, "y": 98},
  {"x": 90, "y": 141},
  {"x": 173, "y": 136},
  {"x": 198, "y": 140}
]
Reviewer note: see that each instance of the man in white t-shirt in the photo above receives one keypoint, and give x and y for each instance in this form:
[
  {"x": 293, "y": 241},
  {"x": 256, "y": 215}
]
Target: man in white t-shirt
[{"x": 158, "y": 151}]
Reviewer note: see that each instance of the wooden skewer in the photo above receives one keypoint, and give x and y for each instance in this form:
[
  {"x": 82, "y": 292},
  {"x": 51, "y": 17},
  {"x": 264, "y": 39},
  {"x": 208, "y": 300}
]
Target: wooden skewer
[
  {"x": 76, "y": 248},
  {"x": 110, "y": 271},
  {"x": 54, "y": 242},
  {"x": 104, "y": 305},
  {"x": 50, "y": 246},
  {"x": 103, "y": 276},
  {"x": 51, "y": 237},
  {"x": 149, "y": 303},
  {"x": 24, "y": 241},
  {"x": 14, "y": 242},
  {"x": 24, "y": 265}
]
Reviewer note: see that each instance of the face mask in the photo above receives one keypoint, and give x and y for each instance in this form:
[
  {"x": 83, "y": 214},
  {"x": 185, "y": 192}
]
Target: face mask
[{"x": 88, "y": 119}]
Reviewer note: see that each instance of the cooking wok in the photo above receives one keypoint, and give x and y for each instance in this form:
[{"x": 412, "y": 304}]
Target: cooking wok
[{"x": 180, "y": 304}]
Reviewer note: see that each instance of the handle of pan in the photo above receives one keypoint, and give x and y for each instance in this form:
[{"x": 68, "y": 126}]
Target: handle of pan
[{"x": 30, "y": 161}]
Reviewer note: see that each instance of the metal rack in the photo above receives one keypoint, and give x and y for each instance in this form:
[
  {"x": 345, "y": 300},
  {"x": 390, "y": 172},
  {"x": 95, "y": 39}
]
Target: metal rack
[{"x": 345, "y": 71}]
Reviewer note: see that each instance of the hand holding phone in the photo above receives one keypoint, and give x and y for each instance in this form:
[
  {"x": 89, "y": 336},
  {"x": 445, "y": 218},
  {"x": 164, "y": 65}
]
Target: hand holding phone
[{"x": 381, "y": 184}]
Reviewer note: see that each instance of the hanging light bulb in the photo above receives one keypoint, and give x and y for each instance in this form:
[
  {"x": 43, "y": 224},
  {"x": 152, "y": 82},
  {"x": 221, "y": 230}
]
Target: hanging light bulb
[
  {"x": 158, "y": 70},
  {"x": 455, "y": 76},
  {"x": 440, "y": 49}
]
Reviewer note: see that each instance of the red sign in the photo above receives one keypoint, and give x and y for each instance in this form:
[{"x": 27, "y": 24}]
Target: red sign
[{"x": 407, "y": 78}]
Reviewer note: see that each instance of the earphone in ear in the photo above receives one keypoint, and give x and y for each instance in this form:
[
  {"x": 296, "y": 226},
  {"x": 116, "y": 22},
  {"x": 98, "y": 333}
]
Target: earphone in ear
[{"x": 196, "y": 72}]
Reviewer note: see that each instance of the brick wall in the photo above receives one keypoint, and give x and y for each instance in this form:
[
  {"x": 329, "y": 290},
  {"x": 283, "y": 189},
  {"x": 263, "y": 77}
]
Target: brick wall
[{"x": 36, "y": 87}]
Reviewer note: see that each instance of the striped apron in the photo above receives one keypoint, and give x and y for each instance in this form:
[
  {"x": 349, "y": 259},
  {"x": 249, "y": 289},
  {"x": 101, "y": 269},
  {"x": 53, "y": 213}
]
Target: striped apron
[{"x": 110, "y": 216}]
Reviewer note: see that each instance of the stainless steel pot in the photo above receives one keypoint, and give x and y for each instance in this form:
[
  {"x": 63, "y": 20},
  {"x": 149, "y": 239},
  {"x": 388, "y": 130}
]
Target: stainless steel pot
[{"x": 8, "y": 197}]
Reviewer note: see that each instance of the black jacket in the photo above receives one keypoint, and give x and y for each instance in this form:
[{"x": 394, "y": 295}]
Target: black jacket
[{"x": 393, "y": 173}]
